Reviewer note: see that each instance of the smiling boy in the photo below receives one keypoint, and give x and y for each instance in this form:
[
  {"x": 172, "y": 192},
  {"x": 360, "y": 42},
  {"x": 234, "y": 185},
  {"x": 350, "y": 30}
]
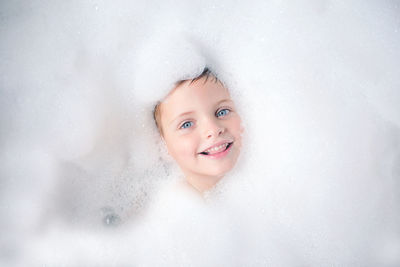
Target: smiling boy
[{"x": 201, "y": 129}]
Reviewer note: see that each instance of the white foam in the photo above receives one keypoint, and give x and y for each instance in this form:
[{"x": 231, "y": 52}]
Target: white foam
[{"x": 85, "y": 179}]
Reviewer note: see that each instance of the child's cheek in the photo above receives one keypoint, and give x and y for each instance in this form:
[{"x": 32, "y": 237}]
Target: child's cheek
[
  {"x": 236, "y": 125},
  {"x": 187, "y": 146}
]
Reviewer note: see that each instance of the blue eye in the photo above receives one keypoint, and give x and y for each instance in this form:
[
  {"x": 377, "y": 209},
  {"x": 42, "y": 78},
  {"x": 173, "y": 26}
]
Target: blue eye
[
  {"x": 223, "y": 112},
  {"x": 186, "y": 124}
]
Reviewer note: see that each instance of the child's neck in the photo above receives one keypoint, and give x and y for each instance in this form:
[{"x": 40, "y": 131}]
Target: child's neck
[{"x": 202, "y": 183}]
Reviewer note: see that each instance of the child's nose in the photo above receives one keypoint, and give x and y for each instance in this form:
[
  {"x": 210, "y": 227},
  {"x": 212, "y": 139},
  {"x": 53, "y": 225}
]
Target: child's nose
[{"x": 214, "y": 129}]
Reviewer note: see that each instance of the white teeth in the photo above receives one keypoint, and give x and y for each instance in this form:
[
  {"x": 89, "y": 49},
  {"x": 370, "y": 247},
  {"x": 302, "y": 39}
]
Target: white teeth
[{"x": 217, "y": 148}]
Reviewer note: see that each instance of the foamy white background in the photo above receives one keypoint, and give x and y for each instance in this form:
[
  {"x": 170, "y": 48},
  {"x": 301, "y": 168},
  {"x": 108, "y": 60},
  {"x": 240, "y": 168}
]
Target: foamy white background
[{"x": 317, "y": 84}]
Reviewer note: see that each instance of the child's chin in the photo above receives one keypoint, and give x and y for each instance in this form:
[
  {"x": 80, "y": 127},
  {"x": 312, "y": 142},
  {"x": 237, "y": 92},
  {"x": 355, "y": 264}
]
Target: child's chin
[{"x": 221, "y": 170}]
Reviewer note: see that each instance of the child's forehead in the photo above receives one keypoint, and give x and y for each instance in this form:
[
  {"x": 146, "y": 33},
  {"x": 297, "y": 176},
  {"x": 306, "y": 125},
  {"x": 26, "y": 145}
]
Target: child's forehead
[
  {"x": 193, "y": 91},
  {"x": 189, "y": 98}
]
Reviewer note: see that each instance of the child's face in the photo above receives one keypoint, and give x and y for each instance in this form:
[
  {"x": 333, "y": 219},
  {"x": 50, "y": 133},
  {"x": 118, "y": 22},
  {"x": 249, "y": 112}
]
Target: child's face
[{"x": 202, "y": 131}]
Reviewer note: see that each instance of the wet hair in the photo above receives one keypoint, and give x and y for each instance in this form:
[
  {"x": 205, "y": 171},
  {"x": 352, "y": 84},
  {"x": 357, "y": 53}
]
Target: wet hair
[
  {"x": 157, "y": 112},
  {"x": 206, "y": 73}
]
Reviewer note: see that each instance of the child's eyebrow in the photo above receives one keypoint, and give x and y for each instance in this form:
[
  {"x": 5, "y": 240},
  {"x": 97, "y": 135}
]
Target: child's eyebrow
[
  {"x": 181, "y": 115},
  {"x": 224, "y": 100}
]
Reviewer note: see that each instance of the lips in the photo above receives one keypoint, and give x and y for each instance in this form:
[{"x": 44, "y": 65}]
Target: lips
[{"x": 217, "y": 148}]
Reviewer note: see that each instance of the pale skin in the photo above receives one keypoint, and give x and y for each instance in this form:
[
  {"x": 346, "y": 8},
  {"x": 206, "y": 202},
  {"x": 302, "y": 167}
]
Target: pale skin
[{"x": 202, "y": 131}]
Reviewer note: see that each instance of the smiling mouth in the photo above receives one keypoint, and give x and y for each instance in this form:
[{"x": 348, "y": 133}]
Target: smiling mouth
[{"x": 217, "y": 150}]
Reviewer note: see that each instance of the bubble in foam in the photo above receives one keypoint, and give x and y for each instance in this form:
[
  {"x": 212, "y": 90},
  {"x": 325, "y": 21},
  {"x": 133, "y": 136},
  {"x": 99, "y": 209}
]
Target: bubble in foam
[{"x": 110, "y": 216}]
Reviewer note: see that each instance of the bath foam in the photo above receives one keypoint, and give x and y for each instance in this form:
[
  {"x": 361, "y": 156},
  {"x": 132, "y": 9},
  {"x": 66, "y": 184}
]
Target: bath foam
[
  {"x": 316, "y": 83},
  {"x": 169, "y": 56}
]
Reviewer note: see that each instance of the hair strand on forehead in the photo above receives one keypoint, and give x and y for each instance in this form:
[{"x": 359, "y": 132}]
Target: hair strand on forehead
[{"x": 206, "y": 73}]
